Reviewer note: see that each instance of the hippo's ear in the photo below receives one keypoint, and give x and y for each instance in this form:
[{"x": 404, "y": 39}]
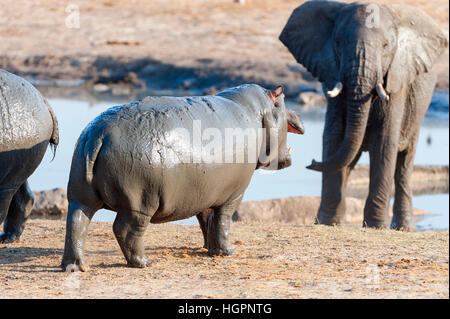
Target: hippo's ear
[
  {"x": 294, "y": 123},
  {"x": 275, "y": 94}
]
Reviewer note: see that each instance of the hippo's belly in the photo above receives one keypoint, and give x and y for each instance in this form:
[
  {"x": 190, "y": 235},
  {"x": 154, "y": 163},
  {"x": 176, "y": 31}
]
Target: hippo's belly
[
  {"x": 191, "y": 189},
  {"x": 168, "y": 193}
]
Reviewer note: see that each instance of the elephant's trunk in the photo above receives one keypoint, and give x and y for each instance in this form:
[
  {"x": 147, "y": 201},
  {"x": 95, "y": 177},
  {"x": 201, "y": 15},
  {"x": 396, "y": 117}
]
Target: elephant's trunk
[
  {"x": 358, "y": 96},
  {"x": 357, "y": 117}
]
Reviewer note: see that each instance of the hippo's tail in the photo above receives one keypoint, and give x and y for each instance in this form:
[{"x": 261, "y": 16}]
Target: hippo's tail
[
  {"x": 54, "y": 139},
  {"x": 90, "y": 149},
  {"x": 81, "y": 177}
]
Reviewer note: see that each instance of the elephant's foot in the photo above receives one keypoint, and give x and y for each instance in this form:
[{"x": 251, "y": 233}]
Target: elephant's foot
[
  {"x": 221, "y": 252},
  {"x": 8, "y": 237},
  {"x": 375, "y": 224},
  {"x": 324, "y": 218},
  {"x": 403, "y": 224},
  {"x": 138, "y": 262},
  {"x": 73, "y": 265}
]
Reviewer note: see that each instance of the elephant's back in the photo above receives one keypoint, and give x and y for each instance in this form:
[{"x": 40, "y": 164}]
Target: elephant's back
[{"x": 24, "y": 117}]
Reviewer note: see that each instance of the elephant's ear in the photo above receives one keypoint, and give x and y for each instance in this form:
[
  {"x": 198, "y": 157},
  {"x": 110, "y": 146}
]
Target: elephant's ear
[
  {"x": 308, "y": 36},
  {"x": 420, "y": 42}
]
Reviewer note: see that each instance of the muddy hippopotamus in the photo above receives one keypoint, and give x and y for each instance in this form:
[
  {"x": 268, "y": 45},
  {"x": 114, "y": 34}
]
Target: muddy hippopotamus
[
  {"x": 27, "y": 126},
  {"x": 163, "y": 159}
]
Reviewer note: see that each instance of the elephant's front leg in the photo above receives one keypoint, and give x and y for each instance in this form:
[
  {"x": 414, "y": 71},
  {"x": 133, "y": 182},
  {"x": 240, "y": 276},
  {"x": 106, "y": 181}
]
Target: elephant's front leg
[
  {"x": 332, "y": 204},
  {"x": 19, "y": 211},
  {"x": 219, "y": 227},
  {"x": 383, "y": 150},
  {"x": 403, "y": 193},
  {"x": 418, "y": 100}
]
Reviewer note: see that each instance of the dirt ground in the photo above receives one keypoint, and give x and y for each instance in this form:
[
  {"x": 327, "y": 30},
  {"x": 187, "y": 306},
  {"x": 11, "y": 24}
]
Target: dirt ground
[
  {"x": 170, "y": 44},
  {"x": 273, "y": 261}
]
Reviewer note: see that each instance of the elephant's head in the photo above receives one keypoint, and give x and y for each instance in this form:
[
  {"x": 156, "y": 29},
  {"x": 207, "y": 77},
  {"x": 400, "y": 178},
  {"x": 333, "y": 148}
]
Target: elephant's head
[
  {"x": 277, "y": 122},
  {"x": 361, "y": 52}
]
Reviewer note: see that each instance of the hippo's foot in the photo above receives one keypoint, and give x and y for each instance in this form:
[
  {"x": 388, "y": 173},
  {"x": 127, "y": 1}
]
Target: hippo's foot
[
  {"x": 139, "y": 262},
  {"x": 221, "y": 252},
  {"x": 74, "y": 265},
  {"x": 7, "y": 238}
]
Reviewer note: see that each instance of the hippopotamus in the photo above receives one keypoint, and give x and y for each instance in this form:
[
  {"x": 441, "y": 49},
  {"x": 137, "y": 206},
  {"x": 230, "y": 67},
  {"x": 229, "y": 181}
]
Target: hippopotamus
[
  {"x": 27, "y": 126},
  {"x": 151, "y": 161}
]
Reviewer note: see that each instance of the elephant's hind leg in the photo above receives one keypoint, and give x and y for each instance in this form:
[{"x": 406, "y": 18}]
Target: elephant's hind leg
[
  {"x": 129, "y": 229},
  {"x": 78, "y": 220},
  {"x": 18, "y": 213}
]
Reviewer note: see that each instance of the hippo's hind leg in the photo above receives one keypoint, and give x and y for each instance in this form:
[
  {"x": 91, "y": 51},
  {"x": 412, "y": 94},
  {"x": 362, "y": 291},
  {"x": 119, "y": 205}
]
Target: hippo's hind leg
[
  {"x": 203, "y": 218},
  {"x": 78, "y": 220},
  {"x": 218, "y": 228},
  {"x": 129, "y": 229},
  {"x": 18, "y": 213}
]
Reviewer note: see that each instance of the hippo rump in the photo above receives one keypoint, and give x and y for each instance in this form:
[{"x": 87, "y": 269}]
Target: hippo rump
[
  {"x": 28, "y": 126},
  {"x": 163, "y": 159}
]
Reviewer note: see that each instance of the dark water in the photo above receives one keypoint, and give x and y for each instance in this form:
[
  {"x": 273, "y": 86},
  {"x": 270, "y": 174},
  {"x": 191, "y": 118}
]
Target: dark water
[{"x": 74, "y": 115}]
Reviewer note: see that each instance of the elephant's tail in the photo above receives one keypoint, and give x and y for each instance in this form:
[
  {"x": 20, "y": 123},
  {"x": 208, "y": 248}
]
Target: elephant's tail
[{"x": 54, "y": 139}]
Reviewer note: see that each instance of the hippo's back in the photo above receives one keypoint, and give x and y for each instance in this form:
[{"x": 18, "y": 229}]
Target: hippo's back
[
  {"x": 162, "y": 129},
  {"x": 25, "y": 120}
]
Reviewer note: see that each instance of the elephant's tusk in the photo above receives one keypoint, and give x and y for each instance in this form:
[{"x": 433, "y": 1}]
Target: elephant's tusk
[
  {"x": 290, "y": 150},
  {"x": 382, "y": 93},
  {"x": 336, "y": 90}
]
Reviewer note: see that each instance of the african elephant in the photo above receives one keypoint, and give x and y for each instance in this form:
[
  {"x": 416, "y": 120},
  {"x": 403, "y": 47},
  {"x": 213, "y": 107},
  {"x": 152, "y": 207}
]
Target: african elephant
[
  {"x": 27, "y": 126},
  {"x": 374, "y": 62},
  {"x": 138, "y": 160}
]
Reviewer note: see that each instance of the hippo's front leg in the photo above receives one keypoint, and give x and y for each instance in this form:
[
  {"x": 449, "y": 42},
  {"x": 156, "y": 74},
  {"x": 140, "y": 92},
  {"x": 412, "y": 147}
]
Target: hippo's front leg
[{"x": 219, "y": 227}]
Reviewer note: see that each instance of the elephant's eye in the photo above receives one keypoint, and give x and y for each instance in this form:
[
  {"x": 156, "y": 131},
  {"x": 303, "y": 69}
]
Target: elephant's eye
[{"x": 385, "y": 45}]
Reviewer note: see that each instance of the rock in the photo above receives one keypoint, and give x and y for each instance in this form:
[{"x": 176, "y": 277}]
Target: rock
[
  {"x": 100, "y": 88},
  {"x": 50, "y": 203},
  {"x": 300, "y": 210},
  {"x": 311, "y": 98}
]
